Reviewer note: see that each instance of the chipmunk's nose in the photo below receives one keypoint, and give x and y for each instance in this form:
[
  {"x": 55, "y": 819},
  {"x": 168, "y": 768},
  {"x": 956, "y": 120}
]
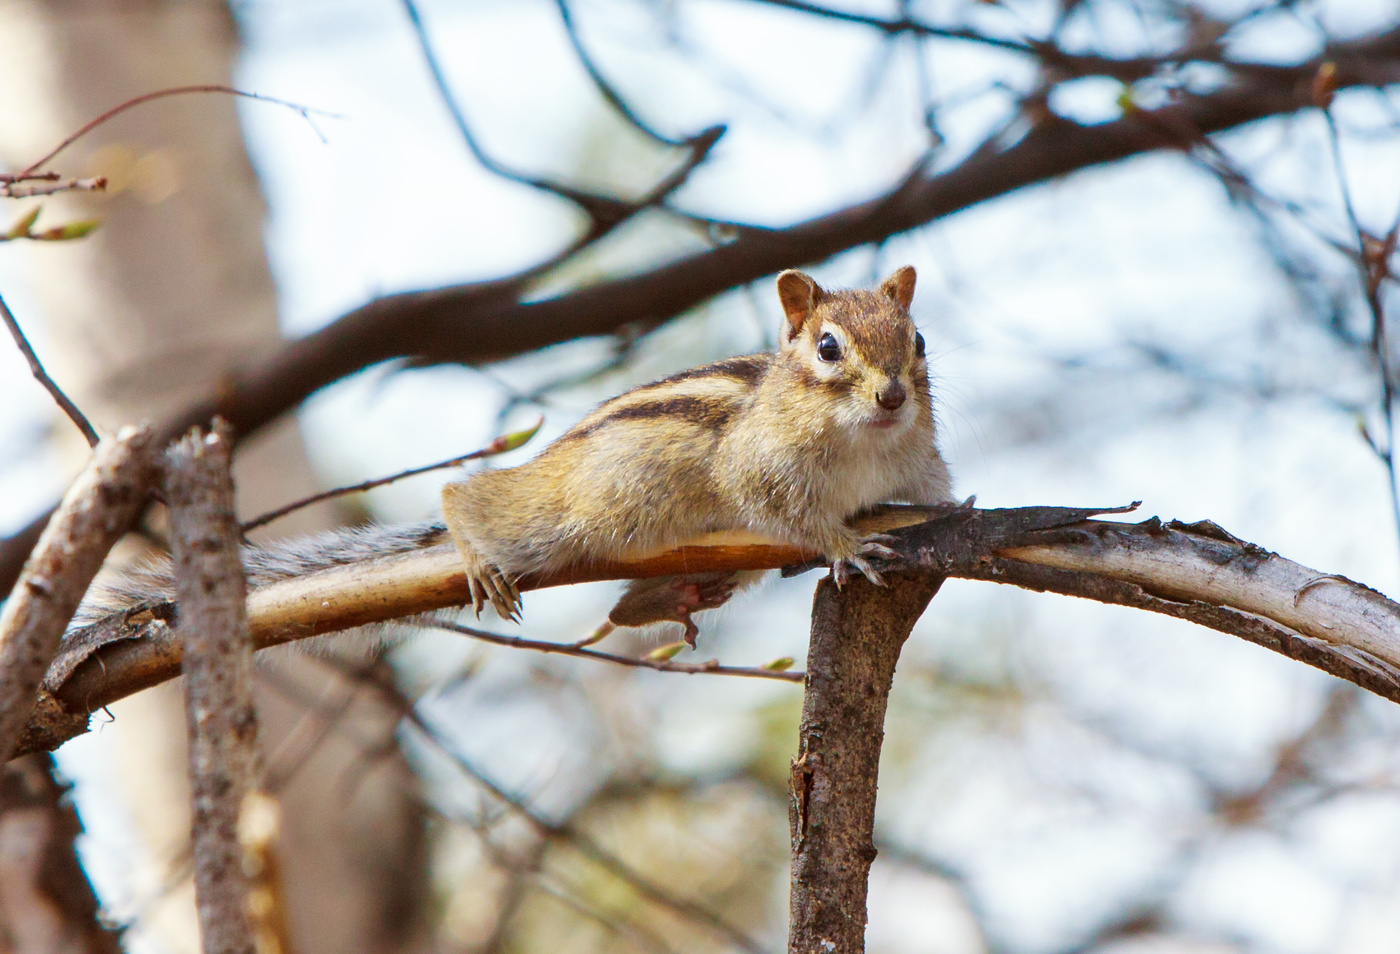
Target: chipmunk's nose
[{"x": 892, "y": 397}]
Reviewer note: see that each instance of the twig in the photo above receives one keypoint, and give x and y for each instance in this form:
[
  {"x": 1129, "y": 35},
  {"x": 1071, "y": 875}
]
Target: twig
[
  {"x": 42, "y": 376},
  {"x": 218, "y": 662},
  {"x": 605, "y": 212},
  {"x": 11, "y": 189},
  {"x": 598, "y": 206},
  {"x": 600, "y": 82},
  {"x": 661, "y": 665},
  {"x": 1372, "y": 263},
  {"x": 502, "y": 444},
  {"x": 560, "y": 830},
  {"x": 32, "y": 168},
  {"x": 638, "y": 933},
  {"x": 8, "y": 177},
  {"x": 1126, "y": 69},
  {"x": 97, "y": 509},
  {"x": 332, "y": 720},
  {"x": 581, "y": 843}
]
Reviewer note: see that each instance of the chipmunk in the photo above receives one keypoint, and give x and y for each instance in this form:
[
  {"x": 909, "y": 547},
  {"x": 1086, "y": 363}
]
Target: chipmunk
[{"x": 788, "y": 445}]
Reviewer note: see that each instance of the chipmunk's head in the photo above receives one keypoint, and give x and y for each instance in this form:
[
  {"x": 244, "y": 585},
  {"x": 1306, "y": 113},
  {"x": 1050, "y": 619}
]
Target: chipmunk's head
[{"x": 860, "y": 348}]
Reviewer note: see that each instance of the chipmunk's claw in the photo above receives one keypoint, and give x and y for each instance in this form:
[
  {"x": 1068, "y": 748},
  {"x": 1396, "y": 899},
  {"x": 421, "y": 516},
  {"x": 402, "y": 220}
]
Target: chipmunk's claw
[
  {"x": 841, "y": 571},
  {"x": 691, "y": 630},
  {"x": 874, "y": 554},
  {"x": 489, "y": 585}
]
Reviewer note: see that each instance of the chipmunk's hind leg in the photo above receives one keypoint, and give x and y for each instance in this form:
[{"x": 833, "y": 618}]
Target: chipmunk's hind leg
[{"x": 672, "y": 599}]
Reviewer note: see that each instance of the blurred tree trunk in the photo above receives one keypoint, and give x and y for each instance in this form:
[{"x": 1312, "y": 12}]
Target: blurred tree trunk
[
  {"x": 46, "y": 902},
  {"x": 172, "y": 292}
]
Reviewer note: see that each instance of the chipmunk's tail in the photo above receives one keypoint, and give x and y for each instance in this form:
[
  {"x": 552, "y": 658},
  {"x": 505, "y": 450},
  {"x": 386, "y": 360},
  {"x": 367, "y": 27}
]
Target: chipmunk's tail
[{"x": 153, "y": 581}]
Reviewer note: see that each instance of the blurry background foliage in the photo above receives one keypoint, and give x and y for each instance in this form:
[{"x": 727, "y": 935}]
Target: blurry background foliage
[{"x": 1059, "y": 776}]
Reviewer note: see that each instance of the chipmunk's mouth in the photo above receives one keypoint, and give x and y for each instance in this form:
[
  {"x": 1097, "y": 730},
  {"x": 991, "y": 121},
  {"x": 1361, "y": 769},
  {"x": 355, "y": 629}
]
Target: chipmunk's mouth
[{"x": 883, "y": 422}]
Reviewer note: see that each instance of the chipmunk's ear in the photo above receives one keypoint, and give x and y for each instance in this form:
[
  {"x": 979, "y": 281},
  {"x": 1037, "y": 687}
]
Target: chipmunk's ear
[
  {"x": 800, "y": 295},
  {"x": 900, "y": 286}
]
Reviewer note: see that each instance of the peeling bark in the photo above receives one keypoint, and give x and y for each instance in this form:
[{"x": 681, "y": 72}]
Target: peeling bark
[{"x": 1190, "y": 571}]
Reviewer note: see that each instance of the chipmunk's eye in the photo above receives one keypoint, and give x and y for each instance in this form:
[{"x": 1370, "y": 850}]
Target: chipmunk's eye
[
  {"x": 828, "y": 348},
  {"x": 918, "y": 344}
]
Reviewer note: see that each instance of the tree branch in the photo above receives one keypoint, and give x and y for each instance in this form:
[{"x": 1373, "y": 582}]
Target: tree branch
[
  {"x": 98, "y": 509},
  {"x": 711, "y": 667},
  {"x": 857, "y": 633},
  {"x": 1190, "y": 571},
  {"x": 46, "y": 901},
  {"x": 218, "y": 666},
  {"x": 36, "y": 368}
]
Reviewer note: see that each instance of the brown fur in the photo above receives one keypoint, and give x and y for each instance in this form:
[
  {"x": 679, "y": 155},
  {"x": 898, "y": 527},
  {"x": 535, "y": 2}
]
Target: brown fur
[{"x": 781, "y": 444}]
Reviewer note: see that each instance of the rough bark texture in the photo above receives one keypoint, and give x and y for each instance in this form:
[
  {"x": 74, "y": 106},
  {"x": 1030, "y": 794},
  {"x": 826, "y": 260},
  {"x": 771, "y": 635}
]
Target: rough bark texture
[
  {"x": 100, "y": 506},
  {"x": 857, "y": 633},
  {"x": 47, "y": 905},
  {"x": 218, "y": 667},
  {"x": 1192, "y": 571}
]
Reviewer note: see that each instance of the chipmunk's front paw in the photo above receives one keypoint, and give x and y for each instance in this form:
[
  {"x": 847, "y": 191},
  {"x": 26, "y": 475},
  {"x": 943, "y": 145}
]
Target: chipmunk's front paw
[
  {"x": 875, "y": 554},
  {"x": 489, "y": 585}
]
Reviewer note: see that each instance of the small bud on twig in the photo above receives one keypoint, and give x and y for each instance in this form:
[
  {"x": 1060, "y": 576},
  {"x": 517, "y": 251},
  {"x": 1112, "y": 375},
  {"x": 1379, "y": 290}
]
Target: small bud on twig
[
  {"x": 663, "y": 653},
  {"x": 1324, "y": 85}
]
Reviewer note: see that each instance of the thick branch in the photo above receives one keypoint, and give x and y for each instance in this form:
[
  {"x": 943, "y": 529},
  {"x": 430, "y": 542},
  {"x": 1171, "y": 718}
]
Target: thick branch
[
  {"x": 1191, "y": 571},
  {"x": 46, "y": 901},
  {"x": 99, "y": 507},
  {"x": 857, "y": 634},
  {"x": 218, "y": 668}
]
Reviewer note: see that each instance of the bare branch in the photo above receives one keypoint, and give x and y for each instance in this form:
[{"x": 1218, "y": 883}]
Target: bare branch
[
  {"x": 581, "y": 842},
  {"x": 599, "y": 207},
  {"x": 46, "y": 901},
  {"x": 857, "y": 633},
  {"x": 37, "y": 369},
  {"x": 10, "y": 187},
  {"x": 502, "y": 444},
  {"x": 712, "y": 667},
  {"x": 100, "y": 506},
  {"x": 32, "y": 170},
  {"x": 1126, "y": 69},
  {"x": 217, "y": 665},
  {"x": 559, "y": 831},
  {"x": 1190, "y": 571},
  {"x": 601, "y": 84}
]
